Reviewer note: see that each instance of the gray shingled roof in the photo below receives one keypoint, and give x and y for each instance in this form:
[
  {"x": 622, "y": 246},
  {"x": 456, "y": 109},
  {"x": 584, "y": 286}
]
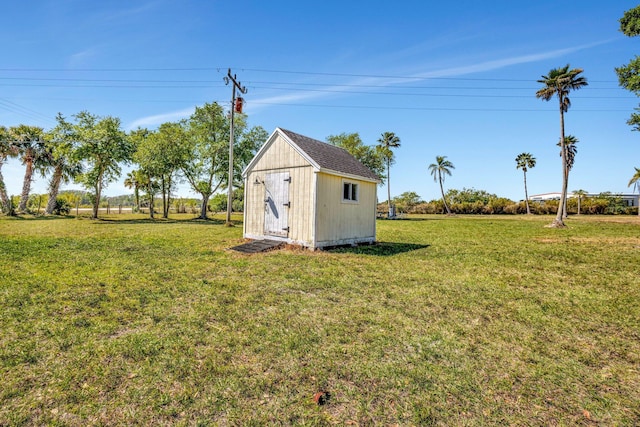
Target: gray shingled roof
[{"x": 329, "y": 156}]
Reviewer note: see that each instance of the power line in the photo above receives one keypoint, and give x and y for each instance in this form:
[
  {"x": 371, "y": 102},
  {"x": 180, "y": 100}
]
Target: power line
[
  {"x": 136, "y": 86},
  {"x": 68, "y": 79},
  {"x": 417, "y": 87},
  {"x": 462, "y": 95},
  {"x": 216, "y": 83},
  {"x": 414, "y": 77},
  {"x": 271, "y": 71},
  {"x": 12, "y": 107},
  {"x": 132, "y": 86},
  {"x": 373, "y": 107}
]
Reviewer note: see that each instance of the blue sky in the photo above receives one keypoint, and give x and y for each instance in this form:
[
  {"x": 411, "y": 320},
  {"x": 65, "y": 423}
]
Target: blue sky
[{"x": 449, "y": 78}]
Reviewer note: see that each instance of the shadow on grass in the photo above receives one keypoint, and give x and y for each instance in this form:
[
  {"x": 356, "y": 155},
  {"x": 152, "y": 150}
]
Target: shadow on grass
[
  {"x": 34, "y": 217},
  {"x": 415, "y": 219},
  {"x": 116, "y": 220},
  {"x": 380, "y": 249},
  {"x": 160, "y": 221}
]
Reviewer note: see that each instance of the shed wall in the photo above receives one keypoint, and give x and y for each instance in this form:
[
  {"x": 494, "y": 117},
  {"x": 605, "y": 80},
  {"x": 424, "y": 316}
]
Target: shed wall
[
  {"x": 279, "y": 157},
  {"x": 340, "y": 222}
]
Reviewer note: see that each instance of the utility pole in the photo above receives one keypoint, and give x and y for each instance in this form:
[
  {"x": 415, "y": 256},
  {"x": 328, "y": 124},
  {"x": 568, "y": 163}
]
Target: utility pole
[{"x": 242, "y": 89}]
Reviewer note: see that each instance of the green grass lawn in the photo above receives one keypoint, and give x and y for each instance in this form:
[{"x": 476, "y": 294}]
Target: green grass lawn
[{"x": 448, "y": 321}]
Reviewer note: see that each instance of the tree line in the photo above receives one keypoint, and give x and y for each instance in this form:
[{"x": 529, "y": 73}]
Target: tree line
[
  {"x": 91, "y": 150},
  {"x": 481, "y": 202}
]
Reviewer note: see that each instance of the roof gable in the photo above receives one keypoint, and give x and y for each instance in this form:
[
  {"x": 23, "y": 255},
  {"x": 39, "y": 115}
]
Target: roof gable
[
  {"x": 321, "y": 156},
  {"x": 329, "y": 158}
]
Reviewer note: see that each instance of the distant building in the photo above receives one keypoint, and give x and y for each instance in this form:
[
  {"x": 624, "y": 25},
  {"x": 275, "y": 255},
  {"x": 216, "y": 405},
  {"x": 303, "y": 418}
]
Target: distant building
[{"x": 628, "y": 199}]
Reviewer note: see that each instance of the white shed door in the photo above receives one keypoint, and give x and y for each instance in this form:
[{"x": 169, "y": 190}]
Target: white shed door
[{"x": 276, "y": 204}]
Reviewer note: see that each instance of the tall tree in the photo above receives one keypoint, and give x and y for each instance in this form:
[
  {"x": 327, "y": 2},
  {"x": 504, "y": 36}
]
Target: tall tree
[
  {"x": 32, "y": 153},
  {"x": 525, "y": 161},
  {"x": 133, "y": 180},
  {"x": 386, "y": 143},
  {"x": 150, "y": 186},
  {"x": 570, "y": 150},
  {"x": 439, "y": 170},
  {"x": 160, "y": 155},
  {"x": 104, "y": 147},
  {"x": 7, "y": 149},
  {"x": 635, "y": 181},
  {"x": 245, "y": 148},
  {"x": 206, "y": 148},
  {"x": 580, "y": 194},
  {"x": 169, "y": 138},
  {"x": 559, "y": 82},
  {"x": 367, "y": 155},
  {"x": 629, "y": 74},
  {"x": 149, "y": 160},
  {"x": 205, "y": 159},
  {"x": 61, "y": 144}
]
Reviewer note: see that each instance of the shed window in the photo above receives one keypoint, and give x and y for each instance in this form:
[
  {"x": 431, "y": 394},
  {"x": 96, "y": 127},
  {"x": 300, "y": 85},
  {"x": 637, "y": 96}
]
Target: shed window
[{"x": 349, "y": 191}]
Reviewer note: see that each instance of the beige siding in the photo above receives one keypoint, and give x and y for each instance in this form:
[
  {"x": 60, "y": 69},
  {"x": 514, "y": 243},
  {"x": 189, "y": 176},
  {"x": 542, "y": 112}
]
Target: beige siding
[
  {"x": 302, "y": 205},
  {"x": 280, "y": 156},
  {"x": 339, "y": 221},
  {"x": 253, "y": 205}
]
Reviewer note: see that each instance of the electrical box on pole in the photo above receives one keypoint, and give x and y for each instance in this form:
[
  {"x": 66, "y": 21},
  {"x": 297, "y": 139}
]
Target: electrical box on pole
[{"x": 239, "y": 104}]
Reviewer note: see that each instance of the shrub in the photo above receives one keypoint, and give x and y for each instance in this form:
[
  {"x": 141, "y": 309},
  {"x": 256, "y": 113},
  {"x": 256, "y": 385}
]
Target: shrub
[
  {"x": 425, "y": 208},
  {"x": 62, "y": 207},
  {"x": 497, "y": 205}
]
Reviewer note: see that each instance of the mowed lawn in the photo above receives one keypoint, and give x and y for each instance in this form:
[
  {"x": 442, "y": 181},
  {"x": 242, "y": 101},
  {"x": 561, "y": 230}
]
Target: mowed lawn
[{"x": 448, "y": 321}]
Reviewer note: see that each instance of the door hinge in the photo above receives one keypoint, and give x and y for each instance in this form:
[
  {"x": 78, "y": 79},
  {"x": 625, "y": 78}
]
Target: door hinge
[
  {"x": 288, "y": 204},
  {"x": 286, "y": 229},
  {"x": 288, "y": 180}
]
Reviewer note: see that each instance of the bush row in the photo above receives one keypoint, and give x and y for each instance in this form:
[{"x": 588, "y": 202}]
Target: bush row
[{"x": 508, "y": 207}]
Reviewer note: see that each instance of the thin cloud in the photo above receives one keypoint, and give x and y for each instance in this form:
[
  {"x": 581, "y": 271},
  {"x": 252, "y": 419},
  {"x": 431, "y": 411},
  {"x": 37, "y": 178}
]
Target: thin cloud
[
  {"x": 294, "y": 96},
  {"x": 83, "y": 57},
  {"x": 158, "y": 119},
  {"x": 439, "y": 73},
  {"x": 328, "y": 91},
  {"x": 124, "y": 13},
  {"x": 506, "y": 62}
]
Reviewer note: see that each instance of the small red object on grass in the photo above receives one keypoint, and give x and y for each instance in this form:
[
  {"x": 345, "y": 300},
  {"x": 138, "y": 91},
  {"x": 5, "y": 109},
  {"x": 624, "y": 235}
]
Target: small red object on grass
[{"x": 321, "y": 397}]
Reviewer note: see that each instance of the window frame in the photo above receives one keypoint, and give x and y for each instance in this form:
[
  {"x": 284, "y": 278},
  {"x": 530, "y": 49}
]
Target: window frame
[{"x": 353, "y": 192}]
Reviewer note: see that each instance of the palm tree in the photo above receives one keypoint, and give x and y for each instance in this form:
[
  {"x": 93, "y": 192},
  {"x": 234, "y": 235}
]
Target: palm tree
[
  {"x": 65, "y": 169},
  {"x": 580, "y": 194},
  {"x": 525, "y": 161},
  {"x": 32, "y": 153},
  {"x": 150, "y": 186},
  {"x": 439, "y": 170},
  {"x": 570, "y": 150},
  {"x": 387, "y": 141},
  {"x": 559, "y": 82},
  {"x": 61, "y": 145},
  {"x": 133, "y": 180},
  {"x": 7, "y": 149},
  {"x": 635, "y": 180}
]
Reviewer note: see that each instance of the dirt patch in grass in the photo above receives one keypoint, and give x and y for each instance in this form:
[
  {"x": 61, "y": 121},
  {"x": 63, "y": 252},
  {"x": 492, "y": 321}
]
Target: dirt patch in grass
[{"x": 592, "y": 240}]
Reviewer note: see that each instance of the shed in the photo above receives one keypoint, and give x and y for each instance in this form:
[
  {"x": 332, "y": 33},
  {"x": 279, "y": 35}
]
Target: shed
[{"x": 306, "y": 192}]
